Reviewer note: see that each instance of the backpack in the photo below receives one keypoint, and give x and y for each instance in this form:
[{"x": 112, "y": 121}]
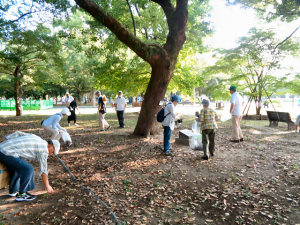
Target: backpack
[{"x": 161, "y": 115}]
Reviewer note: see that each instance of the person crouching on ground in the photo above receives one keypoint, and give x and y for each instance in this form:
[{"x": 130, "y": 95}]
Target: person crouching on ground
[
  {"x": 208, "y": 125},
  {"x": 169, "y": 123},
  {"x": 14, "y": 150},
  {"x": 52, "y": 126}
]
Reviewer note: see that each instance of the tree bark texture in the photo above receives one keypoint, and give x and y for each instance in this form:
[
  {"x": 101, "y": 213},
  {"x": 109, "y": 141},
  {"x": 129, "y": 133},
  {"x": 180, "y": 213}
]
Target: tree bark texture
[
  {"x": 17, "y": 91},
  {"x": 162, "y": 59}
]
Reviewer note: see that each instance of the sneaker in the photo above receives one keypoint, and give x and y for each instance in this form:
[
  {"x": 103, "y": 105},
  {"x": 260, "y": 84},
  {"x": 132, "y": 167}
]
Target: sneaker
[
  {"x": 167, "y": 153},
  {"x": 25, "y": 197},
  {"x": 171, "y": 149},
  {"x": 242, "y": 139},
  {"x": 235, "y": 141},
  {"x": 205, "y": 157},
  {"x": 108, "y": 128},
  {"x": 13, "y": 194},
  {"x": 76, "y": 124}
]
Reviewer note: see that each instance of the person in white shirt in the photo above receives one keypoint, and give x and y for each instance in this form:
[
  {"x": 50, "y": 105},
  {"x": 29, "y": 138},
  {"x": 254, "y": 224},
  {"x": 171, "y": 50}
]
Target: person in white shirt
[
  {"x": 67, "y": 100},
  {"x": 52, "y": 126},
  {"x": 13, "y": 152},
  {"x": 236, "y": 103},
  {"x": 169, "y": 123},
  {"x": 120, "y": 108}
]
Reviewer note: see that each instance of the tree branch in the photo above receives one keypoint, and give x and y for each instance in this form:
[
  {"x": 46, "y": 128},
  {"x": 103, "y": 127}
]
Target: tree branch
[
  {"x": 167, "y": 7},
  {"x": 123, "y": 34},
  {"x": 133, "y": 21},
  {"x": 288, "y": 37}
]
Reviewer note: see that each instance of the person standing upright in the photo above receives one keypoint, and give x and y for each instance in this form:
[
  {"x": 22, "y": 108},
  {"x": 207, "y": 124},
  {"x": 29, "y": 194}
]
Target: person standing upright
[
  {"x": 236, "y": 103},
  {"x": 169, "y": 123},
  {"x": 67, "y": 99},
  {"x": 72, "y": 107},
  {"x": 207, "y": 119},
  {"x": 120, "y": 108},
  {"x": 101, "y": 112}
]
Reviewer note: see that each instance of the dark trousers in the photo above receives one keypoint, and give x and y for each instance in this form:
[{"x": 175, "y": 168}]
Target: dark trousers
[
  {"x": 167, "y": 138},
  {"x": 208, "y": 135},
  {"x": 72, "y": 117},
  {"x": 21, "y": 174},
  {"x": 120, "y": 115}
]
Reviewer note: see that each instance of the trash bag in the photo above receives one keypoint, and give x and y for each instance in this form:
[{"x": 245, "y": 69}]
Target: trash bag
[
  {"x": 196, "y": 142},
  {"x": 66, "y": 138},
  {"x": 196, "y": 127}
]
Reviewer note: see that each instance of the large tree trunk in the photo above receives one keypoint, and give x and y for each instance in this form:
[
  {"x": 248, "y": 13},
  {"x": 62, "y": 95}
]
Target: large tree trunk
[
  {"x": 155, "y": 92},
  {"x": 161, "y": 59},
  {"x": 17, "y": 91}
]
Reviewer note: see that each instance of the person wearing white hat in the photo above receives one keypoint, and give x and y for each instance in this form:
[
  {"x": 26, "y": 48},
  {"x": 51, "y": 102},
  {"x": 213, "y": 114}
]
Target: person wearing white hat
[
  {"x": 13, "y": 152},
  {"x": 51, "y": 124},
  {"x": 67, "y": 99}
]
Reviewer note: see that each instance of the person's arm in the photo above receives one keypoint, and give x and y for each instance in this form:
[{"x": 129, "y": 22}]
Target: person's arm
[
  {"x": 46, "y": 183},
  {"x": 201, "y": 117},
  {"x": 216, "y": 116},
  {"x": 231, "y": 107}
]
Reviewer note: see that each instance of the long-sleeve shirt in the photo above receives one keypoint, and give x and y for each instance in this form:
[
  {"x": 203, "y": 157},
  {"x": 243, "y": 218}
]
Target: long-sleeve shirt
[
  {"x": 27, "y": 146},
  {"x": 53, "y": 121},
  {"x": 170, "y": 116},
  {"x": 208, "y": 118}
]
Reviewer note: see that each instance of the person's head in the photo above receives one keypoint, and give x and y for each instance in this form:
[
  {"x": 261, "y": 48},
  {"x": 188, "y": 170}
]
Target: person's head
[
  {"x": 175, "y": 99},
  {"x": 232, "y": 89},
  {"x": 120, "y": 93},
  {"x": 104, "y": 98},
  {"x": 53, "y": 147},
  {"x": 68, "y": 94},
  {"x": 97, "y": 93},
  {"x": 65, "y": 112},
  {"x": 205, "y": 103}
]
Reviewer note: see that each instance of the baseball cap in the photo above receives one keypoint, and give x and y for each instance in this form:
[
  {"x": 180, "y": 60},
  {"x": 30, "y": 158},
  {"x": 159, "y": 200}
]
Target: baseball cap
[
  {"x": 205, "y": 102},
  {"x": 175, "y": 98},
  {"x": 66, "y": 111},
  {"x": 232, "y": 88},
  {"x": 120, "y": 92}
]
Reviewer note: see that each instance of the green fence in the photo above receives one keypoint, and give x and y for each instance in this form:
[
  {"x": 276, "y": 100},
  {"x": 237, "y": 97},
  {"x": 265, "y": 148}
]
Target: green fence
[{"x": 26, "y": 104}]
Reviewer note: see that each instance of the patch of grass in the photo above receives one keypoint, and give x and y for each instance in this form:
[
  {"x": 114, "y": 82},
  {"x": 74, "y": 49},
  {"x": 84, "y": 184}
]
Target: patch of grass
[{"x": 296, "y": 167}]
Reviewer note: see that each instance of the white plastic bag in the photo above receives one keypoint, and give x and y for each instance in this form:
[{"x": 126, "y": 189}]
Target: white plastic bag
[
  {"x": 196, "y": 142},
  {"x": 66, "y": 138},
  {"x": 196, "y": 127}
]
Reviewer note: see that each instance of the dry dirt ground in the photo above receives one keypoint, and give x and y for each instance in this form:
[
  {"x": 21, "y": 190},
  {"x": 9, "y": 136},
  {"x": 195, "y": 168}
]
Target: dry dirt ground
[{"x": 253, "y": 182}]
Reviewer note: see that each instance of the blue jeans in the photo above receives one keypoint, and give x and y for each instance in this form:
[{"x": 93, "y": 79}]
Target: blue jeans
[
  {"x": 167, "y": 138},
  {"x": 21, "y": 174}
]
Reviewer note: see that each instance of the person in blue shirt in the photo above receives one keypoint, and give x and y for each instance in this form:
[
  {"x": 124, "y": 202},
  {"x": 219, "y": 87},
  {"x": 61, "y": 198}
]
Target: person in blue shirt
[{"x": 51, "y": 124}]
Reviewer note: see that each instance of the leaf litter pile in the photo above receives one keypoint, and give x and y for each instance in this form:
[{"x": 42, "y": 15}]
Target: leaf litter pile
[{"x": 253, "y": 182}]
